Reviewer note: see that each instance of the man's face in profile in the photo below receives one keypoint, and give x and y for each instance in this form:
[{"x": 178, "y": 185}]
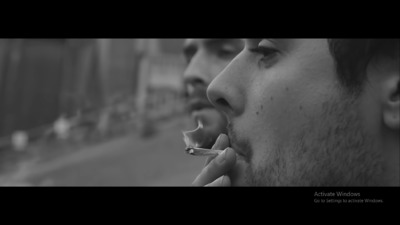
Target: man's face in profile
[
  {"x": 292, "y": 123},
  {"x": 206, "y": 58}
]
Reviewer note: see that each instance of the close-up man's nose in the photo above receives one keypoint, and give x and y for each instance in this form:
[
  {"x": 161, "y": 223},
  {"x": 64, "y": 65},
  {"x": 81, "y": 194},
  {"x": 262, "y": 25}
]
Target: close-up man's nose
[{"x": 224, "y": 93}]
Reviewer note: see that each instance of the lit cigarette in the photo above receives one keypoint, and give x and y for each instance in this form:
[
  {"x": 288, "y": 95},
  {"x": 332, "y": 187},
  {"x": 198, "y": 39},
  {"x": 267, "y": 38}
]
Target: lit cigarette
[
  {"x": 203, "y": 152},
  {"x": 194, "y": 139}
]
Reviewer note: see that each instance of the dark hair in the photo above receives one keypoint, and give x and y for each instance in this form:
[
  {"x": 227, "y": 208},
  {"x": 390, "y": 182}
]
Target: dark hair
[{"x": 352, "y": 57}]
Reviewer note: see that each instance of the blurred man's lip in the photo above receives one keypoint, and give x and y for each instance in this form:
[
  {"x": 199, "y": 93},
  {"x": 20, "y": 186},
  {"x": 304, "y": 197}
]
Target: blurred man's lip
[
  {"x": 202, "y": 114},
  {"x": 199, "y": 104}
]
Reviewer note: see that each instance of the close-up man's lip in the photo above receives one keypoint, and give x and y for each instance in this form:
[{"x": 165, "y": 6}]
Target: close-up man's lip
[
  {"x": 239, "y": 150},
  {"x": 240, "y": 147}
]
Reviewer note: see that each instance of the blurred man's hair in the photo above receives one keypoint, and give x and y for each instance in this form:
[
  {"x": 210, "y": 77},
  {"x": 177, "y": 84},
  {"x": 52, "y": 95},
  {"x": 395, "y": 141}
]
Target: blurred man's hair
[{"x": 352, "y": 57}]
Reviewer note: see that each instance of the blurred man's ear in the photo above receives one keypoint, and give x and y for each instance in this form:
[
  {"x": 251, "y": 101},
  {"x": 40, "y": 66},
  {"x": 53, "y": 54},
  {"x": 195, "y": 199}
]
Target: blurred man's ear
[{"x": 391, "y": 100}]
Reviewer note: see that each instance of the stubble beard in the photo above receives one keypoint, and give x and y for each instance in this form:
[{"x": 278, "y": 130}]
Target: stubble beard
[{"x": 333, "y": 149}]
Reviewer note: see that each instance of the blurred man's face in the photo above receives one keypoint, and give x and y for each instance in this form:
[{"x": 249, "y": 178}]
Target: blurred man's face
[
  {"x": 290, "y": 121},
  {"x": 206, "y": 58}
]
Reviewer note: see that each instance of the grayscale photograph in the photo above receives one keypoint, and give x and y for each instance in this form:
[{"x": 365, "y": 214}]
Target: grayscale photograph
[{"x": 200, "y": 112}]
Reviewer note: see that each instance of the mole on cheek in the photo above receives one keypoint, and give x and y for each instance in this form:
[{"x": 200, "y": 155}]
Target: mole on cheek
[
  {"x": 272, "y": 98},
  {"x": 301, "y": 107},
  {"x": 262, "y": 107},
  {"x": 257, "y": 112}
]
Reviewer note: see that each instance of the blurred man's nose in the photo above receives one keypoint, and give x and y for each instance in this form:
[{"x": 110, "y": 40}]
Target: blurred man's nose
[
  {"x": 226, "y": 92},
  {"x": 197, "y": 72}
]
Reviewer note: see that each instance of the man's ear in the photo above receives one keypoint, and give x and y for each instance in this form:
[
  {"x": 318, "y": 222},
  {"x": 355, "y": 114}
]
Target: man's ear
[{"x": 391, "y": 101}]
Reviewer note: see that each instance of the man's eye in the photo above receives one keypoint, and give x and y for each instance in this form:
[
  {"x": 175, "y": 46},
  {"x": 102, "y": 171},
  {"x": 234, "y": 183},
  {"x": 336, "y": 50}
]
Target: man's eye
[
  {"x": 226, "y": 53},
  {"x": 188, "y": 54},
  {"x": 267, "y": 53}
]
